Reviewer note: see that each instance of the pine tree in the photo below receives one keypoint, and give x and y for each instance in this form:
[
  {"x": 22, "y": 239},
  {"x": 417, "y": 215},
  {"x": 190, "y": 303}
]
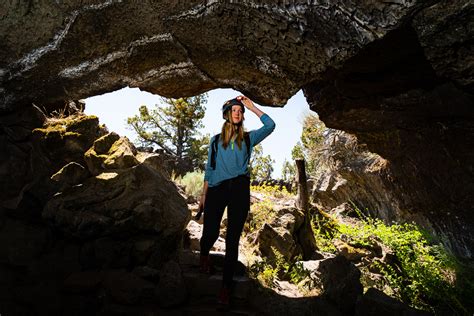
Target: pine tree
[
  {"x": 174, "y": 127},
  {"x": 312, "y": 141},
  {"x": 261, "y": 167}
]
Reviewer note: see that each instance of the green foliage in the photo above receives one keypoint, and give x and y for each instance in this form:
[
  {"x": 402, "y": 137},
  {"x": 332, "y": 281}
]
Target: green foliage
[
  {"x": 271, "y": 190},
  {"x": 313, "y": 129},
  {"x": 198, "y": 151},
  {"x": 324, "y": 228},
  {"x": 297, "y": 152},
  {"x": 261, "y": 212},
  {"x": 423, "y": 273},
  {"x": 261, "y": 167},
  {"x": 268, "y": 271},
  {"x": 173, "y": 127},
  {"x": 312, "y": 140},
  {"x": 288, "y": 171},
  {"x": 192, "y": 181},
  {"x": 264, "y": 272}
]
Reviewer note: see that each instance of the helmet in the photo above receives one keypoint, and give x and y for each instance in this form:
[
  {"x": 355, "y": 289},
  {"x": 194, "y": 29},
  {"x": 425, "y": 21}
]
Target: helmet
[{"x": 228, "y": 105}]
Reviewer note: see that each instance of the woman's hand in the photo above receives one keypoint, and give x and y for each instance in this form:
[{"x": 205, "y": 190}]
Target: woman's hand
[
  {"x": 201, "y": 207},
  {"x": 246, "y": 102},
  {"x": 202, "y": 202},
  {"x": 249, "y": 105}
]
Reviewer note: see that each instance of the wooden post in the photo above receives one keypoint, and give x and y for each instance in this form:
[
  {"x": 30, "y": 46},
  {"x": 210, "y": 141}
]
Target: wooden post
[
  {"x": 303, "y": 197},
  {"x": 305, "y": 234}
]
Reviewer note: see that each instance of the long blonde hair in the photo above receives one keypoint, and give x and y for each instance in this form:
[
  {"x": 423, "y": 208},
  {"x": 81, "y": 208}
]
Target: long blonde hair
[{"x": 229, "y": 130}]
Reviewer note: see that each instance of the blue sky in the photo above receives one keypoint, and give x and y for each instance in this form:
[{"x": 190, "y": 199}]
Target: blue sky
[{"x": 114, "y": 108}]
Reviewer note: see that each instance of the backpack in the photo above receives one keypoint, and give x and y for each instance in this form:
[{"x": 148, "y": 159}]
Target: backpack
[{"x": 215, "y": 147}]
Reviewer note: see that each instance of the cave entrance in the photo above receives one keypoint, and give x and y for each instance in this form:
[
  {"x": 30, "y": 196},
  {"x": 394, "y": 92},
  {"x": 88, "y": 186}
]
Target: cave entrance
[{"x": 114, "y": 108}]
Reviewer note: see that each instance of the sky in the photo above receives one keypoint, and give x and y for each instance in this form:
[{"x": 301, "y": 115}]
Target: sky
[{"x": 114, "y": 108}]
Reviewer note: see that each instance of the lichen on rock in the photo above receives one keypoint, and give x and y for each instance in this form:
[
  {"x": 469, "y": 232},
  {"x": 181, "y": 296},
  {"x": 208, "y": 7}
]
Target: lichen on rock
[{"x": 110, "y": 152}]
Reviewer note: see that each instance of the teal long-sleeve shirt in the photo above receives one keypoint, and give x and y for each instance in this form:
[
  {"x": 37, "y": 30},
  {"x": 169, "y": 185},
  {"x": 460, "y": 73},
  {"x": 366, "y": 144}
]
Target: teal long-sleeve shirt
[{"x": 233, "y": 162}]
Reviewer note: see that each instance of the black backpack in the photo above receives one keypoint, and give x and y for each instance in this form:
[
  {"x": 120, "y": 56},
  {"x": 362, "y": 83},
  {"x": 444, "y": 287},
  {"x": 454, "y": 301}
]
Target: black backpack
[{"x": 215, "y": 147}]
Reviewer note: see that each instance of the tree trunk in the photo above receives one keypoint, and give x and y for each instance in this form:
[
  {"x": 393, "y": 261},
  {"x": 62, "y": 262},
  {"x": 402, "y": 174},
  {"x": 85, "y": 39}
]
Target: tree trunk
[
  {"x": 303, "y": 197},
  {"x": 305, "y": 234}
]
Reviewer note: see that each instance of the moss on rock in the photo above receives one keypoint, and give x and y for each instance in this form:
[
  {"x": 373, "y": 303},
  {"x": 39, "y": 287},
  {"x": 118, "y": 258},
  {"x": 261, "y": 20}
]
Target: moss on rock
[{"x": 110, "y": 152}]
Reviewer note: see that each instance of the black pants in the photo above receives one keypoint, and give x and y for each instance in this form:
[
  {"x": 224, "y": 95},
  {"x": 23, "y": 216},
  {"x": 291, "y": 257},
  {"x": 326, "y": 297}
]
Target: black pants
[{"x": 235, "y": 194}]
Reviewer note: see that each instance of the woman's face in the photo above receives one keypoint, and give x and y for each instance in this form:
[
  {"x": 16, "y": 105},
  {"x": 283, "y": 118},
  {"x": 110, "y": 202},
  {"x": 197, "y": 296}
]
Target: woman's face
[{"x": 236, "y": 114}]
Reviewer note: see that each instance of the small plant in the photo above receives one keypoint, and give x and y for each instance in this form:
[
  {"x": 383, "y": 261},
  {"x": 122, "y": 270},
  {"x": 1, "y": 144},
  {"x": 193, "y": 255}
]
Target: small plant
[
  {"x": 262, "y": 212},
  {"x": 324, "y": 228},
  {"x": 268, "y": 271},
  {"x": 297, "y": 274},
  {"x": 264, "y": 272},
  {"x": 192, "y": 182}
]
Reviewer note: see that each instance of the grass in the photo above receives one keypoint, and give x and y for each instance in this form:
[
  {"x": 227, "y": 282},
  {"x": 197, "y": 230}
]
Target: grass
[{"x": 423, "y": 273}]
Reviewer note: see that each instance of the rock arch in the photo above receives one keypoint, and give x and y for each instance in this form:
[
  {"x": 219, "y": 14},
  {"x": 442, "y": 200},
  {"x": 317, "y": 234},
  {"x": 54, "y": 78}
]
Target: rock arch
[{"x": 397, "y": 74}]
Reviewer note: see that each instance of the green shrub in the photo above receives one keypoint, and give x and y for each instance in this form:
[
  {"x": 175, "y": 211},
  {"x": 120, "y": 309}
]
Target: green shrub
[
  {"x": 261, "y": 212},
  {"x": 421, "y": 279},
  {"x": 264, "y": 272},
  {"x": 424, "y": 274},
  {"x": 192, "y": 182},
  {"x": 324, "y": 228}
]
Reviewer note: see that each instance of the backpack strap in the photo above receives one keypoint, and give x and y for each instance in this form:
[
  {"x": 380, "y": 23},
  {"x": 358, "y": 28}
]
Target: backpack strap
[
  {"x": 247, "y": 142},
  {"x": 214, "y": 147}
]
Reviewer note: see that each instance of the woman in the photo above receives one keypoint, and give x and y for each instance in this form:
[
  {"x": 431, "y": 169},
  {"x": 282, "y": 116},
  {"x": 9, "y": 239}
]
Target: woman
[{"x": 227, "y": 183}]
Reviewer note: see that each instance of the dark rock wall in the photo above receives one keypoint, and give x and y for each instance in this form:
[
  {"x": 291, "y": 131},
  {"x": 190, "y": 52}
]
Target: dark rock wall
[
  {"x": 70, "y": 242},
  {"x": 397, "y": 74},
  {"x": 409, "y": 97},
  {"x": 269, "y": 50}
]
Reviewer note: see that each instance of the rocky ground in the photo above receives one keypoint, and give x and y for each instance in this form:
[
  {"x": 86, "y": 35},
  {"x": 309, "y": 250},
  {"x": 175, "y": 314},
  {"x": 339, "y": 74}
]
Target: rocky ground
[{"x": 335, "y": 278}]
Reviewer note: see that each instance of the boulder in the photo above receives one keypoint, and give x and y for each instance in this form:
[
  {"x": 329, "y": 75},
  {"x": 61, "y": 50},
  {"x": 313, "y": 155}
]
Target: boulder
[
  {"x": 375, "y": 302},
  {"x": 106, "y": 253},
  {"x": 279, "y": 235},
  {"x": 193, "y": 235},
  {"x": 352, "y": 175},
  {"x": 66, "y": 139},
  {"x": 143, "y": 247},
  {"x": 147, "y": 273},
  {"x": 155, "y": 161},
  {"x": 171, "y": 289},
  {"x": 349, "y": 252},
  {"x": 167, "y": 164},
  {"x": 71, "y": 174},
  {"x": 341, "y": 282},
  {"x": 31, "y": 161},
  {"x": 110, "y": 152},
  {"x": 123, "y": 202}
]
